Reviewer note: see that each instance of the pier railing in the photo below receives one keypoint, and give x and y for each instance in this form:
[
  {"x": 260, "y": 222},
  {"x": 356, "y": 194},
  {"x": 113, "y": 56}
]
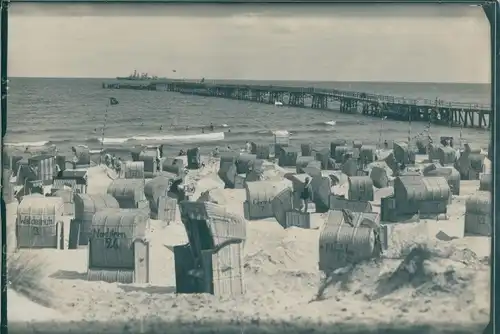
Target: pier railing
[
  {"x": 433, "y": 110},
  {"x": 367, "y": 97}
]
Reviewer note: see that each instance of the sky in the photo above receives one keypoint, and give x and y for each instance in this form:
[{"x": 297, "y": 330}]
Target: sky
[{"x": 397, "y": 43}]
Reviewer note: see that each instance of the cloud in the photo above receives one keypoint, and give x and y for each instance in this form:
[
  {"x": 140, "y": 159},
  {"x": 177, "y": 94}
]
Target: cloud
[{"x": 258, "y": 42}]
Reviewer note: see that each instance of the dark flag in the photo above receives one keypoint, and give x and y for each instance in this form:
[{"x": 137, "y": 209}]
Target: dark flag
[{"x": 113, "y": 101}]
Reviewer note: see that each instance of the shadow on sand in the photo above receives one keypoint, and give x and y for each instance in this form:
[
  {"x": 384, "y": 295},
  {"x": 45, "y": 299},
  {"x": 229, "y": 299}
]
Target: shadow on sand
[
  {"x": 70, "y": 275},
  {"x": 237, "y": 327},
  {"x": 148, "y": 289},
  {"x": 74, "y": 275}
]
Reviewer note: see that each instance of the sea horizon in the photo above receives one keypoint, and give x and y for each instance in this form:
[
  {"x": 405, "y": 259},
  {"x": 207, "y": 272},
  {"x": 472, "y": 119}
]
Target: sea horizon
[{"x": 268, "y": 80}]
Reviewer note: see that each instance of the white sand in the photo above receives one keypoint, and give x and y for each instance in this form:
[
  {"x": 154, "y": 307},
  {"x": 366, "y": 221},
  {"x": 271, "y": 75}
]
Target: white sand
[{"x": 281, "y": 276}]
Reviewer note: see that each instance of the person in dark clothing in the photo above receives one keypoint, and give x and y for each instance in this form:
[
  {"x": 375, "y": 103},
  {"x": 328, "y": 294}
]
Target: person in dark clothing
[
  {"x": 386, "y": 144},
  {"x": 215, "y": 152},
  {"x": 158, "y": 164},
  {"x": 364, "y": 162},
  {"x": 211, "y": 127},
  {"x": 118, "y": 165},
  {"x": 74, "y": 162},
  {"x": 346, "y": 157},
  {"x": 160, "y": 149},
  {"x": 175, "y": 189},
  {"x": 306, "y": 193}
]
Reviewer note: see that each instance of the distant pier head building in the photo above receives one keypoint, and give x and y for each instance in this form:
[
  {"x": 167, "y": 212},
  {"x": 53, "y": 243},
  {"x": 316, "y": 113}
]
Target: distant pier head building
[{"x": 436, "y": 111}]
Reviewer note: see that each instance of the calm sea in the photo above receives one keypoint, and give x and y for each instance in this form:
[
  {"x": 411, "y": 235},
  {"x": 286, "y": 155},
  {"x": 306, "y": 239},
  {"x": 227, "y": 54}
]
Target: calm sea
[{"x": 67, "y": 112}]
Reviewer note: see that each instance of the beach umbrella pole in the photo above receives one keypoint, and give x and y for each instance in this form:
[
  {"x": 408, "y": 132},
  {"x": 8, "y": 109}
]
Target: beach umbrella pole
[{"x": 103, "y": 130}]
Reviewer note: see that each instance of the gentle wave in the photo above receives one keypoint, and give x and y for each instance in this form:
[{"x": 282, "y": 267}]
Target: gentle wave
[
  {"x": 29, "y": 143},
  {"x": 338, "y": 122},
  {"x": 235, "y": 135},
  {"x": 18, "y": 131},
  {"x": 216, "y": 126},
  {"x": 217, "y": 136},
  {"x": 292, "y": 131}
]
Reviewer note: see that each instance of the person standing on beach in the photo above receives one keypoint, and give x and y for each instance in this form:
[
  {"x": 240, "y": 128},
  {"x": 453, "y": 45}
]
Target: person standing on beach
[
  {"x": 57, "y": 171},
  {"x": 215, "y": 153},
  {"x": 211, "y": 127},
  {"x": 160, "y": 150},
  {"x": 364, "y": 162},
  {"x": 248, "y": 147},
  {"x": 306, "y": 193},
  {"x": 107, "y": 159},
  {"x": 158, "y": 164},
  {"x": 118, "y": 166}
]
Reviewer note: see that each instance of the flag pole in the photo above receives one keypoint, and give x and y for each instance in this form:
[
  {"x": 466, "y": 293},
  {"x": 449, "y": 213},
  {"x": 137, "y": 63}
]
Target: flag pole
[
  {"x": 429, "y": 137},
  {"x": 380, "y": 134},
  {"x": 381, "y": 130},
  {"x": 409, "y": 128},
  {"x": 103, "y": 129},
  {"x": 461, "y": 136}
]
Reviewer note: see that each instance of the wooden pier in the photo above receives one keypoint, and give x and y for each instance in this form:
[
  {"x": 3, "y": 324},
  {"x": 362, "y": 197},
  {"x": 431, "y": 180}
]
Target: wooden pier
[{"x": 455, "y": 114}]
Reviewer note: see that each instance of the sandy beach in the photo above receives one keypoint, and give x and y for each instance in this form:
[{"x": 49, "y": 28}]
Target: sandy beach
[{"x": 284, "y": 288}]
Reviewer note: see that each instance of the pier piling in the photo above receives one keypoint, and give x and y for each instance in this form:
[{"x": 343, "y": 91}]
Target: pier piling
[{"x": 467, "y": 115}]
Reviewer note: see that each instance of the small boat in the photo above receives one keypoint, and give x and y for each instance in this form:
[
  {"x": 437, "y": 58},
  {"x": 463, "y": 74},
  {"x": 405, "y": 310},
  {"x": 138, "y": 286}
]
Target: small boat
[
  {"x": 332, "y": 123},
  {"x": 278, "y": 103}
]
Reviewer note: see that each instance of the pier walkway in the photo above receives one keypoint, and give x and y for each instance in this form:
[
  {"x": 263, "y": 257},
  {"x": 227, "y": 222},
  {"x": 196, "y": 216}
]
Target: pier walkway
[{"x": 399, "y": 108}]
